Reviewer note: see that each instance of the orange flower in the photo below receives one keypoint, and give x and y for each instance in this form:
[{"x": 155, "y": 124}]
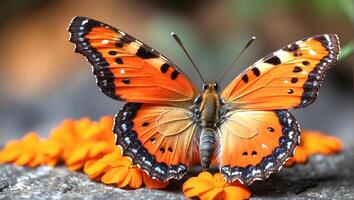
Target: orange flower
[
  {"x": 31, "y": 151},
  {"x": 113, "y": 168},
  {"x": 314, "y": 142},
  {"x": 207, "y": 186},
  {"x": 84, "y": 140}
]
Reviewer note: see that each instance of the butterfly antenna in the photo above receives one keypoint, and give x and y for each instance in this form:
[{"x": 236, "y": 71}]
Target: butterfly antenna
[
  {"x": 236, "y": 58},
  {"x": 174, "y": 35}
]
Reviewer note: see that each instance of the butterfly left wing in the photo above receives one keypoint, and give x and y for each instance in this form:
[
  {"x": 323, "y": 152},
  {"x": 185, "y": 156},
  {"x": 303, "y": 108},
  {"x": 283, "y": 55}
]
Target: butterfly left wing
[
  {"x": 288, "y": 78},
  {"x": 254, "y": 144},
  {"x": 127, "y": 69}
]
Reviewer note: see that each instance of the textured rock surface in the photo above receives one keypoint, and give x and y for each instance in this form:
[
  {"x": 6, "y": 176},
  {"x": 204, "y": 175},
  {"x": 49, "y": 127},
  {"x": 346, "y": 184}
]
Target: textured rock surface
[{"x": 321, "y": 178}]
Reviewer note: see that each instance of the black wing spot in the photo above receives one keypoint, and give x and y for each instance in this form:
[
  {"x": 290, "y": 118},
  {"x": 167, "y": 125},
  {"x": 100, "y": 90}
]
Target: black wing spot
[
  {"x": 245, "y": 78},
  {"x": 119, "y": 61},
  {"x": 275, "y": 60},
  {"x": 164, "y": 67},
  {"x": 245, "y": 153},
  {"x": 119, "y": 44},
  {"x": 152, "y": 140},
  {"x": 145, "y": 124},
  {"x": 169, "y": 149},
  {"x": 294, "y": 80},
  {"x": 162, "y": 150},
  {"x": 112, "y": 53},
  {"x": 126, "y": 39},
  {"x": 290, "y": 91},
  {"x": 271, "y": 129},
  {"x": 256, "y": 71},
  {"x": 306, "y": 63},
  {"x": 297, "y": 69},
  {"x": 126, "y": 81},
  {"x": 145, "y": 53},
  {"x": 174, "y": 75},
  {"x": 254, "y": 153}
]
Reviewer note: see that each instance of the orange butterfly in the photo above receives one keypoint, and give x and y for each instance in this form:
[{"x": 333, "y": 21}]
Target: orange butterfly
[{"x": 168, "y": 123}]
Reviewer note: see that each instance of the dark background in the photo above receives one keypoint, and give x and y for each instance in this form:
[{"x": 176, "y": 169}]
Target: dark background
[{"x": 42, "y": 81}]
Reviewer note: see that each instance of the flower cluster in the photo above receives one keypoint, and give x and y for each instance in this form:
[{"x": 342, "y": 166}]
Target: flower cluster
[
  {"x": 80, "y": 144},
  {"x": 84, "y": 140},
  {"x": 31, "y": 151},
  {"x": 89, "y": 146}
]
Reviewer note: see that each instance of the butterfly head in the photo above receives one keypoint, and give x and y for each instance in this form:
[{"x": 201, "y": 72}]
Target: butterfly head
[{"x": 210, "y": 87}]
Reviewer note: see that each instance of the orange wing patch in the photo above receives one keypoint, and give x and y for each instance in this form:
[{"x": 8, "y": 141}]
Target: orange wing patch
[
  {"x": 127, "y": 69},
  {"x": 255, "y": 144},
  {"x": 288, "y": 78},
  {"x": 158, "y": 139}
]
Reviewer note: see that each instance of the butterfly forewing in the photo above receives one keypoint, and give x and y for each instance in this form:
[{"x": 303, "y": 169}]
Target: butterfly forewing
[
  {"x": 288, "y": 78},
  {"x": 127, "y": 69}
]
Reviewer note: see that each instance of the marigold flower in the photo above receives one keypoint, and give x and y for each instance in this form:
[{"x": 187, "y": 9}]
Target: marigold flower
[
  {"x": 31, "y": 151},
  {"x": 113, "y": 168},
  {"x": 208, "y": 187},
  {"x": 84, "y": 140},
  {"x": 314, "y": 142}
]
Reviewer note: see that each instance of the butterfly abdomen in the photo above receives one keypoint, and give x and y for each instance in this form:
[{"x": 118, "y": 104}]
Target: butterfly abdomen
[{"x": 206, "y": 147}]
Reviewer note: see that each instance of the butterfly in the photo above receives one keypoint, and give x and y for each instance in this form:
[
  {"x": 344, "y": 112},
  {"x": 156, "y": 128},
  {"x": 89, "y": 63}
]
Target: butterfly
[{"x": 168, "y": 125}]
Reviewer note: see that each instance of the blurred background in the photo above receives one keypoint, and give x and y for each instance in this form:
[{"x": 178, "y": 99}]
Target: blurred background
[{"x": 42, "y": 81}]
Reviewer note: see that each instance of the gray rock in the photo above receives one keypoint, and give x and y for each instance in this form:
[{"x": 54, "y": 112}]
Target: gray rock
[{"x": 323, "y": 177}]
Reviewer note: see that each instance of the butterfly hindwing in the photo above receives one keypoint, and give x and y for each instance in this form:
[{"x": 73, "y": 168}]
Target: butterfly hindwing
[
  {"x": 127, "y": 69},
  {"x": 158, "y": 138},
  {"x": 255, "y": 144},
  {"x": 288, "y": 78}
]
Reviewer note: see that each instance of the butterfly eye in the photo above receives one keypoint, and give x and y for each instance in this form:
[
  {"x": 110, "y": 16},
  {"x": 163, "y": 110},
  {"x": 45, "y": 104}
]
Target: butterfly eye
[
  {"x": 204, "y": 87},
  {"x": 216, "y": 86}
]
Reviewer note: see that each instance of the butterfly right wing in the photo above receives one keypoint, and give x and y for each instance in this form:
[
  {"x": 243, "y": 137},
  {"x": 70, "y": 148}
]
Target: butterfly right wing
[
  {"x": 127, "y": 69},
  {"x": 286, "y": 79},
  {"x": 159, "y": 139}
]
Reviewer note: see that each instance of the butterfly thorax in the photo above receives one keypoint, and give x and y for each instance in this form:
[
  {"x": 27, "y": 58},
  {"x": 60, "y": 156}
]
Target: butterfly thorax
[{"x": 209, "y": 107}]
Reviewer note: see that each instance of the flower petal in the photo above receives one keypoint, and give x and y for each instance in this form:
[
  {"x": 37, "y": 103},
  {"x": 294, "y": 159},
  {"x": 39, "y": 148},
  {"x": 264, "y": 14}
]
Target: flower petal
[
  {"x": 24, "y": 158},
  {"x": 114, "y": 175},
  {"x": 125, "y": 181},
  {"x": 211, "y": 194},
  {"x": 137, "y": 179},
  {"x": 195, "y": 186},
  {"x": 93, "y": 168},
  {"x": 206, "y": 176},
  {"x": 7, "y": 155},
  {"x": 234, "y": 192}
]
